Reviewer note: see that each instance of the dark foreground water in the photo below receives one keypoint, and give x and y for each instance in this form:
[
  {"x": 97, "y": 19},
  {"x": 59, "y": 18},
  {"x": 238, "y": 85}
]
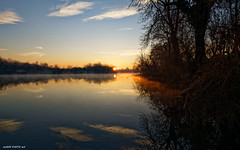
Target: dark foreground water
[
  {"x": 109, "y": 112},
  {"x": 69, "y": 112}
]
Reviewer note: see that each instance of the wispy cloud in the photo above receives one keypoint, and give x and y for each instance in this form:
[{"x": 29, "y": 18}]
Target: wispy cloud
[
  {"x": 114, "y": 14},
  {"x": 38, "y": 54},
  {"x": 125, "y": 29},
  {"x": 146, "y": 1},
  {"x": 9, "y": 17},
  {"x": 39, "y": 47},
  {"x": 2, "y": 49},
  {"x": 66, "y": 10},
  {"x": 59, "y": 6}
]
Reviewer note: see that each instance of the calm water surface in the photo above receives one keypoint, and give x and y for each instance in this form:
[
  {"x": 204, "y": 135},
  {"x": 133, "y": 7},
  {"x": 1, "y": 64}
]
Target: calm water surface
[
  {"x": 70, "y": 112},
  {"x": 101, "y": 112}
]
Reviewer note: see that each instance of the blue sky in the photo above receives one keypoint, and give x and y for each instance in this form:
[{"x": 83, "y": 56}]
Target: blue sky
[{"x": 69, "y": 32}]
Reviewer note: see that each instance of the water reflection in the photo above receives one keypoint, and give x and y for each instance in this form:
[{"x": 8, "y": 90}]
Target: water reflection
[
  {"x": 54, "y": 108},
  {"x": 177, "y": 124},
  {"x": 115, "y": 129},
  {"x": 70, "y": 136},
  {"x": 119, "y": 91},
  {"x": 14, "y": 80},
  {"x": 125, "y": 115},
  {"x": 8, "y": 125},
  {"x": 39, "y": 96},
  {"x": 34, "y": 90},
  {"x": 72, "y": 133}
]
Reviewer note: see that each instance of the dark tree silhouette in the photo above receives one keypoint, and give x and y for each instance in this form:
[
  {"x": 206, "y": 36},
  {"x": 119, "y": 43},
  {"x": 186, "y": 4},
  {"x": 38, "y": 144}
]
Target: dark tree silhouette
[
  {"x": 198, "y": 14},
  {"x": 15, "y": 67},
  {"x": 177, "y": 123},
  {"x": 163, "y": 23},
  {"x": 189, "y": 33}
]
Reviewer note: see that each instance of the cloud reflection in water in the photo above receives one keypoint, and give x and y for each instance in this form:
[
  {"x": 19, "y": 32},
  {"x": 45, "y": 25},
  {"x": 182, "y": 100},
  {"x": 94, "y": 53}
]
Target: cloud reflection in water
[
  {"x": 72, "y": 133},
  {"x": 115, "y": 129},
  {"x": 8, "y": 125}
]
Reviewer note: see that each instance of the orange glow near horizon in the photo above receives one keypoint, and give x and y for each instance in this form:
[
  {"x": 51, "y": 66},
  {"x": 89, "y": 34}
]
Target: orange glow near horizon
[
  {"x": 71, "y": 61},
  {"x": 115, "y": 69}
]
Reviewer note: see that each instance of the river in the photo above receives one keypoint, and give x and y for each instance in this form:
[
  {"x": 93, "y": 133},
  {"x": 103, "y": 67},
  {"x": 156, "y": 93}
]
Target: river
[{"x": 107, "y": 112}]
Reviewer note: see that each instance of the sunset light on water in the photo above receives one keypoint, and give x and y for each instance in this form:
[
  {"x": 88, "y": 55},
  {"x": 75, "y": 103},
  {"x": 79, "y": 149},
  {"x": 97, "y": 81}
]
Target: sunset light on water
[{"x": 119, "y": 74}]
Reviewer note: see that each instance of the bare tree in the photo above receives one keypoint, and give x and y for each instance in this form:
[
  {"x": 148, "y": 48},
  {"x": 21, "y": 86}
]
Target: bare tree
[
  {"x": 223, "y": 29},
  {"x": 198, "y": 14},
  {"x": 163, "y": 22}
]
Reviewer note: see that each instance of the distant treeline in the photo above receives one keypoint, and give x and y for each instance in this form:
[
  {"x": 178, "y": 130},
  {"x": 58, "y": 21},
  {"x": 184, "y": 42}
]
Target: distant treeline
[{"x": 8, "y": 66}]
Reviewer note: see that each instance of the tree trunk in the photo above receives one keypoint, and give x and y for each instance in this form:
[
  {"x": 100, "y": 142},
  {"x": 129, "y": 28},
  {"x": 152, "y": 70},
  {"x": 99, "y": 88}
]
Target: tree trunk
[
  {"x": 198, "y": 14},
  {"x": 175, "y": 46},
  {"x": 200, "y": 45}
]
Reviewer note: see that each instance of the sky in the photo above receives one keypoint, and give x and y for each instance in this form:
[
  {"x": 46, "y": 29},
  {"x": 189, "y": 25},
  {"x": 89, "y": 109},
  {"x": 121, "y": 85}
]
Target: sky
[{"x": 70, "y": 32}]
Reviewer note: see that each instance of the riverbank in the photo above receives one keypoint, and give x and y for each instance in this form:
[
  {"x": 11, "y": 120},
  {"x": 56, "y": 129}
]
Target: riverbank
[{"x": 204, "y": 115}]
